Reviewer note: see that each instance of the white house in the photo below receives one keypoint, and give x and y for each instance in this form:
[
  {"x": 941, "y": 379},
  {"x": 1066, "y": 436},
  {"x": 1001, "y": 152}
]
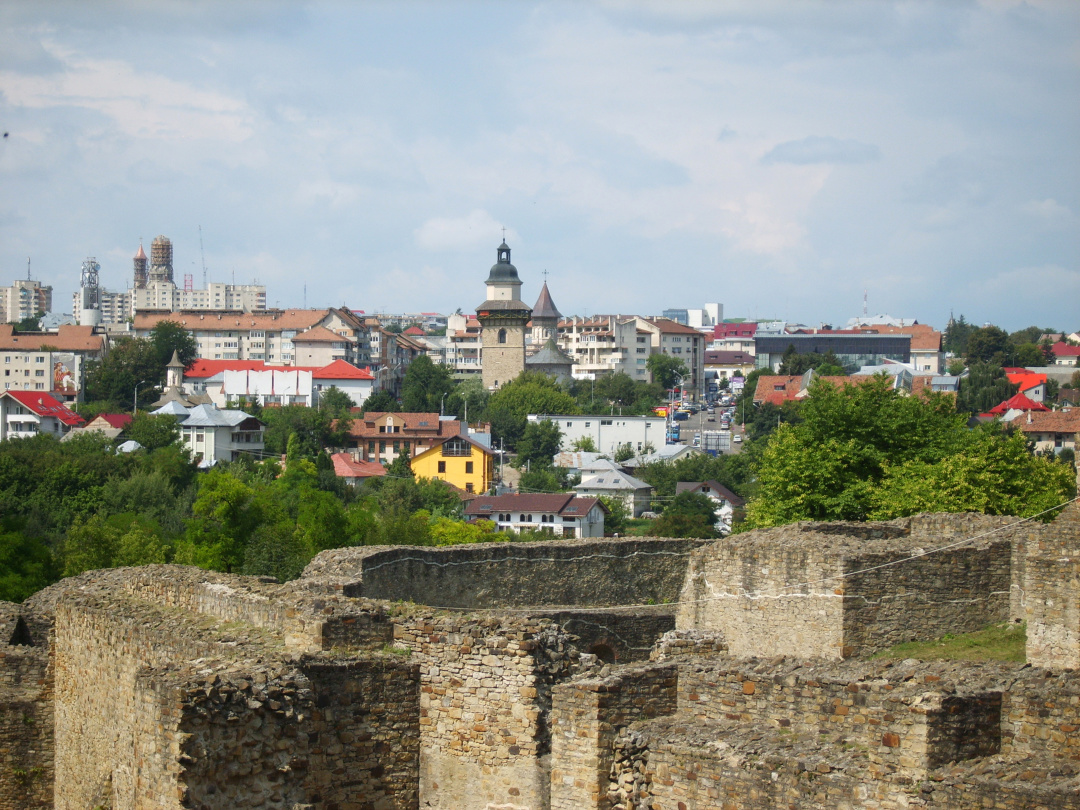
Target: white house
[
  {"x": 214, "y": 435},
  {"x": 634, "y": 493},
  {"x": 563, "y": 514},
  {"x": 28, "y": 413},
  {"x": 608, "y": 433},
  {"x": 726, "y": 501},
  {"x": 231, "y": 381}
]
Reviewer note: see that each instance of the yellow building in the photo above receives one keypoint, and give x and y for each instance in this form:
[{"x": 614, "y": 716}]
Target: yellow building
[{"x": 459, "y": 461}]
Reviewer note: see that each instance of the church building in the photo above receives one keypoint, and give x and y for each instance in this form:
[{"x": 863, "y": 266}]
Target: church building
[{"x": 503, "y": 317}]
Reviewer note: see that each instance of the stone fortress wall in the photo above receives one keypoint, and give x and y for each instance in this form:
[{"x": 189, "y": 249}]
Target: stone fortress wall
[{"x": 173, "y": 687}]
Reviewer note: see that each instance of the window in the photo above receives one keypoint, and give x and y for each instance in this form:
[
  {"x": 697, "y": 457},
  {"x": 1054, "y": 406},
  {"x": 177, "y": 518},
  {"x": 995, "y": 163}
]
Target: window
[
  {"x": 469, "y": 487},
  {"x": 382, "y": 447},
  {"x": 502, "y": 336},
  {"x": 39, "y": 373},
  {"x": 468, "y": 467},
  {"x": 442, "y": 466}
]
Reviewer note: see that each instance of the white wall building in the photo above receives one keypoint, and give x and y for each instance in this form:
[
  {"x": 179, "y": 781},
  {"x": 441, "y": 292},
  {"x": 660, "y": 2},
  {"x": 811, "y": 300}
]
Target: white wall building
[
  {"x": 213, "y": 435},
  {"x": 609, "y": 433},
  {"x": 24, "y": 299}
]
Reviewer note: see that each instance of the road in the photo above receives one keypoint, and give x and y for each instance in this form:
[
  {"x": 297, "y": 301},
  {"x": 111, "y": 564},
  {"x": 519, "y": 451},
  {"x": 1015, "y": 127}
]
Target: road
[{"x": 698, "y": 422}]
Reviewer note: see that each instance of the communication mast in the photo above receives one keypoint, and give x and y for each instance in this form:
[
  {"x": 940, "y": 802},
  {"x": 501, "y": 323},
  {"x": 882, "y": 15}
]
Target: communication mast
[
  {"x": 202, "y": 257},
  {"x": 90, "y": 293}
]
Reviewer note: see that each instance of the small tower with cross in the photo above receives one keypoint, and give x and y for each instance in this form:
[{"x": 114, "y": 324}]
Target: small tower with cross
[{"x": 503, "y": 317}]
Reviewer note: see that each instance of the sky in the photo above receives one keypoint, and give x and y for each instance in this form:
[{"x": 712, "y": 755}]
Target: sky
[{"x": 784, "y": 159}]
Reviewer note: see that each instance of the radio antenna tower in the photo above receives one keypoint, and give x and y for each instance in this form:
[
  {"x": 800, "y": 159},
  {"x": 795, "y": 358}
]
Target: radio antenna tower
[
  {"x": 202, "y": 256},
  {"x": 864, "y": 312}
]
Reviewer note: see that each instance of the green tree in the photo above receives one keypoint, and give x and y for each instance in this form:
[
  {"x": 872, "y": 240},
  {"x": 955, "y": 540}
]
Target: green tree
[
  {"x": 956, "y": 336},
  {"x": 542, "y": 479},
  {"x": 987, "y": 344},
  {"x": 225, "y": 515},
  {"x": 666, "y": 369},
  {"x": 616, "y": 517},
  {"x": 469, "y": 398},
  {"x": 584, "y": 444},
  {"x": 169, "y": 336},
  {"x": 539, "y": 444},
  {"x": 424, "y": 386},
  {"x": 985, "y": 386},
  {"x": 687, "y": 515},
  {"x": 336, "y": 402},
  {"x": 26, "y": 564},
  {"x": 531, "y": 392},
  {"x": 131, "y": 365},
  {"x": 153, "y": 432},
  {"x": 381, "y": 402}
]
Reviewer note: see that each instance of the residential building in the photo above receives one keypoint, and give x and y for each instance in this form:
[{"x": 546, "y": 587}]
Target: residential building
[
  {"x": 634, "y": 494},
  {"x": 728, "y": 364},
  {"x": 1051, "y": 430},
  {"x": 230, "y": 381},
  {"x": 1014, "y": 406},
  {"x": 269, "y": 335},
  {"x": 382, "y": 437},
  {"x": 564, "y": 514},
  {"x": 24, "y": 299},
  {"x": 682, "y": 342},
  {"x": 734, "y": 337},
  {"x": 852, "y": 349},
  {"x": 29, "y": 413},
  {"x": 1066, "y": 354},
  {"x": 212, "y": 435},
  {"x": 355, "y": 472},
  {"x": 48, "y": 361},
  {"x": 605, "y": 344},
  {"x": 609, "y": 433},
  {"x": 665, "y": 454},
  {"x": 463, "y": 346},
  {"x": 503, "y": 317},
  {"x": 1032, "y": 384},
  {"x": 726, "y": 501},
  {"x": 110, "y": 425},
  {"x": 459, "y": 461}
]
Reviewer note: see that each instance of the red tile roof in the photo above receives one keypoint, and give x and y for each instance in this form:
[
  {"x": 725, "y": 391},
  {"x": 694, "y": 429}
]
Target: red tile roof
[
  {"x": 923, "y": 336},
  {"x": 114, "y": 420},
  {"x": 1024, "y": 378},
  {"x": 1062, "y": 349},
  {"x": 1051, "y": 422},
  {"x": 414, "y": 330},
  {"x": 422, "y": 425},
  {"x": 44, "y": 405},
  {"x": 271, "y": 320},
  {"x": 345, "y": 466},
  {"x": 69, "y": 338},
  {"x": 669, "y": 327},
  {"x": 338, "y": 370},
  {"x": 318, "y": 334},
  {"x": 1017, "y": 402}
]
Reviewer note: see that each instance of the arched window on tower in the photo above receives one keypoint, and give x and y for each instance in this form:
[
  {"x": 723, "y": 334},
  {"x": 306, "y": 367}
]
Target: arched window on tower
[{"x": 502, "y": 336}]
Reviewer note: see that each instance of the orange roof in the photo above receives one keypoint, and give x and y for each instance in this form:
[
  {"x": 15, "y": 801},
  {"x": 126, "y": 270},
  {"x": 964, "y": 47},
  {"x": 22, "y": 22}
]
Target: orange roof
[
  {"x": 923, "y": 336},
  {"x": 317, "y": 334},
  {"x": 1051, "y": 422},
  {"x": 345, "y": 466},
  {"x": 1024, "y": 378},
  {"x": 69, "y": 338},
  {"x": 414, "y": 330},
  {"x": 427, "y": 425},
  {"x": 114, "y": 420},
  {"x": 270, "y": 320},
  {"x": 669, "y": 327}
]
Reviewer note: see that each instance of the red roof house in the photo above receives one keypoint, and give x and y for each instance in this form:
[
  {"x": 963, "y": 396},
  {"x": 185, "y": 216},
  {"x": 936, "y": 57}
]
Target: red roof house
[{"x": 27, "y": 413}]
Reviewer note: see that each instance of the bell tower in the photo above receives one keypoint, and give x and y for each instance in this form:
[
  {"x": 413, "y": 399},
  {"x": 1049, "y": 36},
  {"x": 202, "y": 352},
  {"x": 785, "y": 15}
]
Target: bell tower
[{"x": 503, "y": 317}]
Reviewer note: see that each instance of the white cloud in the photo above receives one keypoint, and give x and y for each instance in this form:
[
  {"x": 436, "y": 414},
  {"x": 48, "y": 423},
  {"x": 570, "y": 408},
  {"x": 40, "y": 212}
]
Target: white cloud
[
  {"x": 817, "y": 149},
  {"x": 1048, "y": 210},
  {"x": 141, "y": 104},
  {"x": 478, "y": 229}
]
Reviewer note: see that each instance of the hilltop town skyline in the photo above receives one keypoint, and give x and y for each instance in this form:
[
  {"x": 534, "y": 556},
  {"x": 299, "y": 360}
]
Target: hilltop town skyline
[{"x": 781, "y": 158}]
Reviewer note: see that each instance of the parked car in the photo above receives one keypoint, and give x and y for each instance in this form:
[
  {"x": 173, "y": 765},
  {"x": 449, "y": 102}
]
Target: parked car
[{"x": 737, "y": 438}]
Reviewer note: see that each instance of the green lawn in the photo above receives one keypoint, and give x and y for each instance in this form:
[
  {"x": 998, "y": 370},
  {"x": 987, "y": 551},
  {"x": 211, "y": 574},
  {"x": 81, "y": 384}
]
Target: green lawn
[{"x": 998, "y": 642}]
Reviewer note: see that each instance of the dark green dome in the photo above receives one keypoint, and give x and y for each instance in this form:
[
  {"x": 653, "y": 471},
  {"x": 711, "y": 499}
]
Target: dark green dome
[{"x": 502, "y": 270}]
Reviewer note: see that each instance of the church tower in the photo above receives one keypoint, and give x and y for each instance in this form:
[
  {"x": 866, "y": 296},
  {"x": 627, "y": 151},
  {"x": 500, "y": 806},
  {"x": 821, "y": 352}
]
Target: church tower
[
  {"x": 502, "y": 317},
  {"x": 545, "y": 318}
]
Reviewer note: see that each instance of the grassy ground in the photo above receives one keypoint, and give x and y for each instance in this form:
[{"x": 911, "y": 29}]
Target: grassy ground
[
  {"x": 639, "y": 527},
  {"x": 998, "y": 642}
]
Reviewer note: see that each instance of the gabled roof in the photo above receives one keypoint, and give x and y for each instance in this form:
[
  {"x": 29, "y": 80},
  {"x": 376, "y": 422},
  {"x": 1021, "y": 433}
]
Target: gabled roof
[
  {"x": 1017, "y": 402},
  {"x": 345, "y": 466},
  {"x": 563, "y": 503},
  {"x": 1051, "y": 422},
  {"x": 69, "y": 338},
  {"x": 171, "y": 408},
  {"x": 613, "y": 480},
  {"x": 43, "y": 405},
  {"x": 714, "y": 487},
  {"x": 341, "y": 370},
  {"x": 113, "y": 420},
  {"x": 209, "y": 416},
  {"x": 269, "y": 320},
  {"x": 414, "y": 331},
  {"x": 1062, "y": 349},
  {"x": 318, "y": 334},
  {"x": 202, "y": 368},
  {"x": 670, "y": 327},
  {"x": 1024, "y": 378},
  {"x": 427, "y": 425}
]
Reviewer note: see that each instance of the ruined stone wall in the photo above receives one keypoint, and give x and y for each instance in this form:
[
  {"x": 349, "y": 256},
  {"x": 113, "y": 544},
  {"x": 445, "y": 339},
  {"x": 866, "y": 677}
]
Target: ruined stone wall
[
  {"x": 587, "y": 716},
  {"x": 842, "y": 590},
  {"x": 1052, "y": 593},
  {"x": 485, "y": 700},
  {"x": 906, "y": 718},
  {"x": 26, "y": 727},
  {"x": 491, "y": 575},
  {"x": 1041, "y": 715},
  {"x": 616, "y": 636},
  {"x": 163, "y": 707}
]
